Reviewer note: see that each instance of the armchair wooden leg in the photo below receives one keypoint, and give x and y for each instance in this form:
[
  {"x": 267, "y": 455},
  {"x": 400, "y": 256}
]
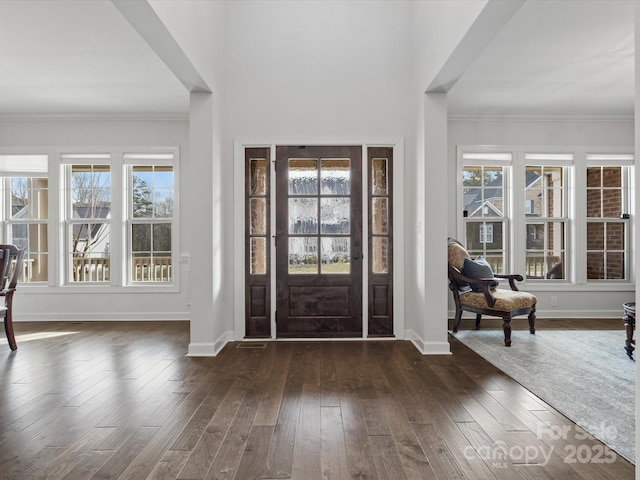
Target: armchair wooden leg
[
  {"x": 506, "y": 326},
  {"x": 532, "y": 321},
  {"x": 8, "y": 328},
  {"x": 478, "y": 317},
  {"x": 457, "y": 319}
]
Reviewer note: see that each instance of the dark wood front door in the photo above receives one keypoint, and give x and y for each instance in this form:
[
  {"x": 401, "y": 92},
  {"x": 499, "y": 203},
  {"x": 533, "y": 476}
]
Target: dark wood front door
[{"x": 319, "y": 241}]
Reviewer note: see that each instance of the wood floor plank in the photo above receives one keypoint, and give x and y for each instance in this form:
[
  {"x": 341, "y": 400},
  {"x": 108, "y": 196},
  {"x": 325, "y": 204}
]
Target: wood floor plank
[
  {"x": 306, "y": 451},
  {"x": 253, "y": 464},
  {"x": 121, "y": 458},
  {"x": 440, "y": 458},
  {"x": 206, "y": 448},
  {"x": 415, "y": 463},
  {"x": 84, "y": 400},
  {"x": 280, "y": 357},
  {"x": 203, "y": 405},
  {"x": 280, "y": 456},
  {"x": 66, "y": 461},
  {"x": 333, "y": 454},
  {"x": 387, "y": 459}
]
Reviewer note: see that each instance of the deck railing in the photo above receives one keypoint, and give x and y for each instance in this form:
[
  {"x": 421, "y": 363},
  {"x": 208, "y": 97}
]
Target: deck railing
[
  {"x": 534, "y": 268},
  {"x": 156, "y": 269},
  {"x": 143, "y": 269}
]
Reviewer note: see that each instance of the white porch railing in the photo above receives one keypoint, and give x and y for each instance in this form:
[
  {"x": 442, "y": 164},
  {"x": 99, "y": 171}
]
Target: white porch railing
[
  {"x": 156, "y": 269},
  {"x": 143, "y": 269}
]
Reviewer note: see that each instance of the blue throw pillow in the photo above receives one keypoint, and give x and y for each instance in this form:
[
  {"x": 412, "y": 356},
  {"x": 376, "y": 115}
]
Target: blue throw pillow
[{"x": 478, "y": 268}]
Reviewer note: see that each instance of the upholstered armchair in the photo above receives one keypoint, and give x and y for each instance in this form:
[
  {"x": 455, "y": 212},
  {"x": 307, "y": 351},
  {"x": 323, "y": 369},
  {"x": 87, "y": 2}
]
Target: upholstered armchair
[{"x": 474, "y": 288}]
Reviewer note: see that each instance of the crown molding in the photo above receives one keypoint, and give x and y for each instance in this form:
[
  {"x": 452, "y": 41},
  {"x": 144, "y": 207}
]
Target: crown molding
[
  {"x": 103, "y": 116},
  {"x": 560, "y": 117}
]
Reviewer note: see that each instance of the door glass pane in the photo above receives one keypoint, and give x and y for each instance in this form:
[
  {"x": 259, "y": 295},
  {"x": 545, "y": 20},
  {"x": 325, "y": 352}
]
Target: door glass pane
[
  {"x": 335, "y": 215},
  {"x": 379, "y": 177},
  {"x": 303, "y": 255},
  {"x": 258, "y": 212},
  {"x": 380, "y": 255},
  {"x": 335, "y": 176},
  {"x": 258, "y": 256},
  {"x": 380, "y": 216},
  {"x": 336, "y": 255},
  {"x": 303, "y": 176},
  {"x": 303, "y": 215},
  {"x": 257, "y": 176}
]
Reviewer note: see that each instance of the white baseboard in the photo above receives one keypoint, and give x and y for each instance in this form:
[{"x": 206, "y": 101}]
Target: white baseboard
[
  {"x": 427, "y": 348},
  {"x": 101, "y": 316},
  {"x": 210, "y": 349}
]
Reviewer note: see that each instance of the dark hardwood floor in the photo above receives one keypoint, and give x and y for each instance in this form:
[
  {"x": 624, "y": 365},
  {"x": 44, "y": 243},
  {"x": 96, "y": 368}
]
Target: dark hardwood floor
[{"x": 121, "y": 400}]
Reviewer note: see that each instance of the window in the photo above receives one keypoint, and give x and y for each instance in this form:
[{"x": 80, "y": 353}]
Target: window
[
  {"x": 607, "y": 218},
  {"x": 151, "y": 198},
  {"x": 88, "y": 218},
  {"x": 545, "y": 217},
  {"x": 484, "y": 211},
  {"x": 570, "y": 219},
  {"x": 26, "y": 212}
]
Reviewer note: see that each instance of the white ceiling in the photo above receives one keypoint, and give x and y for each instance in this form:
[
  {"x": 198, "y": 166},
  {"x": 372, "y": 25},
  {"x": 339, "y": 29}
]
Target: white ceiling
[
  {"x": 554, "y": 57},
  {"x": 79, "y": 57}
]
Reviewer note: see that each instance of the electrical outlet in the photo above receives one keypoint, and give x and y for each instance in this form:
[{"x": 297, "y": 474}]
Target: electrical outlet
[{"x": 554, "y": 301}]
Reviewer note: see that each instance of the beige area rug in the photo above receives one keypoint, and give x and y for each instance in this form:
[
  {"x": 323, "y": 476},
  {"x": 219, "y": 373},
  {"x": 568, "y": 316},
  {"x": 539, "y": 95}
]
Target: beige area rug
[{"x": 586, "y": 375}]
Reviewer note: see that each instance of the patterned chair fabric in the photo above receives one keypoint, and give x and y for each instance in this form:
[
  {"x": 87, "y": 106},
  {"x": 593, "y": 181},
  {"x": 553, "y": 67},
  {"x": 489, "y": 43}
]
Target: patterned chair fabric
[{"x": 499, "y": 302}]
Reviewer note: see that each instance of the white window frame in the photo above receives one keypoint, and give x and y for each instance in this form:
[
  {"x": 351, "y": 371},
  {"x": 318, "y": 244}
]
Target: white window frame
[
  {"x": 67, "y": 162},
  {"x": 487, "y": 157},
  {"x": 30, "y": 166},
  {"x": 625, "y": 162},
  {"x": 550, "y": 158},
  {"x": 575, "y": 273},
  {"x": 151, "y": 157}
]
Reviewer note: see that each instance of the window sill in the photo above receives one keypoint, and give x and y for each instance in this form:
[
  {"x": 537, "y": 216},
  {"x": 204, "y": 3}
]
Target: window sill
[
  {"x": 574, "y": 287},
  {"x": 93, "y": 288}
]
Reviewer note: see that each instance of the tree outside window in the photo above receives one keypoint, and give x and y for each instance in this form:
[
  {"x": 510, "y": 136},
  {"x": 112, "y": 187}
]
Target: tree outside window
[{"x": 151, "y": 226}]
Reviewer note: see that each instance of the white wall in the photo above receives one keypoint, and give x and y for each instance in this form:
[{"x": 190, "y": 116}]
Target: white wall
[
  {"x": 331, "y": 71},
  {"x": 77, "y": 303},
  {"x": 580, "y": 302}
]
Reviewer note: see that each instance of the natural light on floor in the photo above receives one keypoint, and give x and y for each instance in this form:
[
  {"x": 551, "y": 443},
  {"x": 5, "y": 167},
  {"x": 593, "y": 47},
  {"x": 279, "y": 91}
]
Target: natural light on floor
[{"x": 41, "y": 335}]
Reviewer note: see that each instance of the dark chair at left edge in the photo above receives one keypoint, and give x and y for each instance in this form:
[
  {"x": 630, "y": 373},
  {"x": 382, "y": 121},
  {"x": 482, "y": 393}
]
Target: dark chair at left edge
[{"x": 11, "y": 258}]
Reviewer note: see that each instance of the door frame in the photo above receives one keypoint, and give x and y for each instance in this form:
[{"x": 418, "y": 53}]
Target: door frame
[{"x": 239, "y": 145}]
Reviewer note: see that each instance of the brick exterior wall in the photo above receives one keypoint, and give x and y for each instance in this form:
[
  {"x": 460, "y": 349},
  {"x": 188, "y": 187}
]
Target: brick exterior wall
[{"x": 605, "y": 240}]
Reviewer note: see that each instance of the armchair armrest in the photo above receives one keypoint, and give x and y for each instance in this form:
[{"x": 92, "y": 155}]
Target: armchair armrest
[
  {"x": 459, "y": 278},
  {"x": 513, "y": 277}
]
